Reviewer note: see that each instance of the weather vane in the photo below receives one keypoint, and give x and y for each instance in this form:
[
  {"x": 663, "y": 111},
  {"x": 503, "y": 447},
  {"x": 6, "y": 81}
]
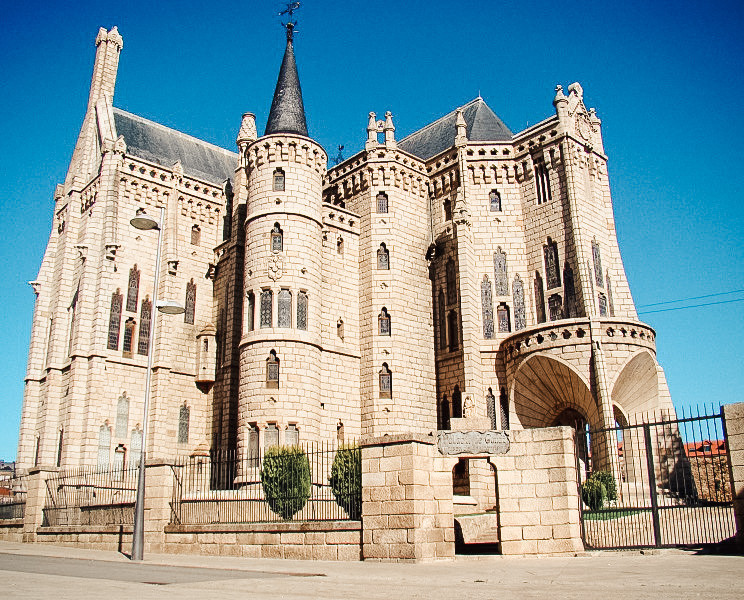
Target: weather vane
[
  {"x": 290, "y": 25},
  {"x": 340, "y": 157}
]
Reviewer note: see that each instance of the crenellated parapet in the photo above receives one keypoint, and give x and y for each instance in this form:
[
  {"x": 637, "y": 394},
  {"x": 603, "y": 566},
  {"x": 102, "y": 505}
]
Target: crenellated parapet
[{"x": 287, "y": 149}]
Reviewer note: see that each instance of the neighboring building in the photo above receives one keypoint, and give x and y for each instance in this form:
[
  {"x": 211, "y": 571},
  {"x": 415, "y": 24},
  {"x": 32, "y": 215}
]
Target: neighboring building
[{"x": 463, "y": 271}]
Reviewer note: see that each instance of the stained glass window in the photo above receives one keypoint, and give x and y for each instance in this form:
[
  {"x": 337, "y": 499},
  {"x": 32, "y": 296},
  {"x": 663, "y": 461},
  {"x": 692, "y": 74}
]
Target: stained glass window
[
  {"x": 302, "y": 311},
  {"x": 279, "y": 180},
  {"x": 487, "y": 308},
  {"x": 452, "y": 331},
  {"x": 272, "y": 371},
  {"x": 383, "y": 258},
  {"x": 501, "y": 279},
  {"x": 383, "y": 321},
  {"x": 442, "y": 320},
  {"x": 266, "y": 301},
  {"x": 291, "y": 435},
  {"x": 602, "y": 305},
  {"x": 386, "y": 382},
  {"x": 115, "y": 320},
  {"x": 451, "y": 276},
  {"x": 597, "y": 264},
  {"x": 126, "y": 346},
  {"x": 277, "y": 238},
  {"x": 382, "y": 202},
  {"x": 183, "y": 424},
  {"x": 494, "y": 200},
  {"x": 539, "y": 298},
  {"x": 491, "y": 408},
  {"x": 555, "y": 307},
  {"x": 143, "y": 344},
  {"x": 502, "y": 315},
  {"x": 122, "y": 416},
  {"x": 133, "y": 289},
  {"x": 104, "y": 445},
  {"x": 189, "y": 315},
  {"x": 609, "y": 296},
  {"x": 570, "y": 292},
  {"x": 504, "y": 409},
  {"x": 250, "y": 312},
  {"x": 520, "y": 320},
  {"x": 284, "y": 309},
  {"x": 552, "y": 273},
  {"x": 271, "y": 436}
]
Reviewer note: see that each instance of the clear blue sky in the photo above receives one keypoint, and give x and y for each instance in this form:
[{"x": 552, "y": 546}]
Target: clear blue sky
[{"x": 665, "y": 77}]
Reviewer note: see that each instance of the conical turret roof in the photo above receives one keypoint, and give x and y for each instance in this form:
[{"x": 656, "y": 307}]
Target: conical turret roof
[{"x": 287, "y": 114}]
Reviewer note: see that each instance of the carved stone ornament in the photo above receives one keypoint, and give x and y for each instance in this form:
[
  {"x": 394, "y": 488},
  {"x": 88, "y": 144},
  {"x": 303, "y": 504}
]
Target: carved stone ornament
[
  {"x": 275, "y": 267},
  {"x": 172, "y": 267},
  {"x": 472, "y": 442},
  {"x": 111, "y": 251},
  {"x": 584, "y": 126},
  {"x": 36, "y": 286},
  {"x": 468, "y": 407}
]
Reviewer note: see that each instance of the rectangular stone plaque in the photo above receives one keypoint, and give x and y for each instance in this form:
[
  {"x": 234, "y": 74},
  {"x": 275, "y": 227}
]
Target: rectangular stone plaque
[{"x": 473, "y": 442}]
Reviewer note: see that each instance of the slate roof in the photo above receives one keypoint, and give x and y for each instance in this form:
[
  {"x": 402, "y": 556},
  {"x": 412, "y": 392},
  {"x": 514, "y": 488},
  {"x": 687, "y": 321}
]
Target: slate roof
[
  {"x": 482, "y": 125},
  {"x": 287, "y": 114},
  {"x": 164, "y": 146}
]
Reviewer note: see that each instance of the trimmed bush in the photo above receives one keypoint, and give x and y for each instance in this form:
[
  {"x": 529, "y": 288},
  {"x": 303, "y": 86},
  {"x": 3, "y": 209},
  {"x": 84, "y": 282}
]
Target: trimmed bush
[
  {"x": 285, "y": 476},
  {"x": 598, "y": 489},
  {"x": 346, "y": 480},
  {"x": 608, "y": 481}
]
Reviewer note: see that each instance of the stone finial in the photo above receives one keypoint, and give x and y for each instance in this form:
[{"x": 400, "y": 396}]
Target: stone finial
[
  {"x": 115, "y": 37},
  {"x": 120, "y": 147},
  {"x": 36, "y": 286},
  {"x": 177, "y": 170},
  {"x": 59, "y": 191},
  {"x": 560, "y": 102},
  {"x": 248, "y": 132},
  {"x": 461, "y": 137},
  {"x": 389, "y": 130},
  {"x": 102, "y": 36},
  {"x": 371, "y": 131},
  {"x": 576, "y": 89}
]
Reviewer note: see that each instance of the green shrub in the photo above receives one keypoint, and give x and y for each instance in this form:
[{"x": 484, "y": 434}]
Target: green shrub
[
  {"x": 608, "y": 481},
  {"x": 593, "y": 493},
  {"x": 285, "y": 476},
  {"x": 346, "y": 480}
]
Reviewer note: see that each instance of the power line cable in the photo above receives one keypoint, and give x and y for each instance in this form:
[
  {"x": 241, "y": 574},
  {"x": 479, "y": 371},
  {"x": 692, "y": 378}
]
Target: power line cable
[
  {"x": 648, "y": 312},
  {"x": 692, "y": 298}
]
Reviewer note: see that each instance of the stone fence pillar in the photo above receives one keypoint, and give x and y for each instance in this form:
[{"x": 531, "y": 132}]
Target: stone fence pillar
[
  {"x": 158, "y": 495},
  {"x": 36, "y": 492},
  {"x": 407, "y": 512},
  {"x": 733, "y": 417}
]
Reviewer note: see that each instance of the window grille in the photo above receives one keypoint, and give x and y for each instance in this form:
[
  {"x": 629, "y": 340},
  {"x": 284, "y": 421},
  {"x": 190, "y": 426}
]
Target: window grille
[
  {"x": 552, "y": 273},
  {"x": 277, "y": 238},
  {"x": 183, "y": 424},
  {"x": 555, "y": 307},
  {"x": 115, "y": 320},
  {"x": 501, "y": 279},
  {"x": 494, "y": 201},
  {"x": 122, "y": 416},
  {"x": 597, "y": 264},
  {"x": 451, "y": 277},
  {"x": 452, "y": 331},
  {"x": 382, "y": 202},
  {"x": 542, "y": 184},
  {"x": 520, "y": 320},
  {"x": 302, "y": 311},
  {"x": 272, "y": 371},
  {"x": 383, "y": 322},
  {"x": 279, "y": 180},
  {"x": 602, "y": 305},
  {"x": 383, "y": 258},
  {"x": 104, "y": 446},
  {"x": 386, "y": 382},
  {"x": 266, "y": 301},
  {"x": 284, "y": 309},
  {"x": 128, "y": 342},
  {"x": 487, "y": 308},
  {"x": 188, "y": 316},
  {"x": 502, "y": 316},
  {"x": 143, "y": 344},
  {"x": 133, "y": 289}
]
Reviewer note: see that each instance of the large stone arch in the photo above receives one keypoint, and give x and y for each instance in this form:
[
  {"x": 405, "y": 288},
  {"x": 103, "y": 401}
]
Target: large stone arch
[
  {"x": 636, "y": 388},
  {"x": 544, "y": 387}
]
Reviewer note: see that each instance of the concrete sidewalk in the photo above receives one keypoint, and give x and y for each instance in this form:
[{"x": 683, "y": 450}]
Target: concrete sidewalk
[{"x": 44, "y": 571}]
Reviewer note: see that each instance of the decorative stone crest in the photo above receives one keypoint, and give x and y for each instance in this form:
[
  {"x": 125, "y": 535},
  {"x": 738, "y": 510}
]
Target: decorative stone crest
[{"x": 275, "y": 267}]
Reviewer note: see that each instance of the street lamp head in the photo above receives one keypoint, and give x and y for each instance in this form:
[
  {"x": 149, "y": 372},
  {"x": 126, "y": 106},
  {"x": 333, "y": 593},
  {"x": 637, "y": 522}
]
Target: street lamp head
[
  {"x": 143, "y": 221},
  {"x": 170, "y": 307}
]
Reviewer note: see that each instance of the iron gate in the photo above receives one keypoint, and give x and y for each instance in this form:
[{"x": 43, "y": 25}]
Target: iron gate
[{"x": 671, "y": 483}]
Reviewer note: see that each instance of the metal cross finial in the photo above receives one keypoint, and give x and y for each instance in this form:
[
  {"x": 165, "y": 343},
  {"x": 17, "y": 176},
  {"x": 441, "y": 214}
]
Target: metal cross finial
[{"x": 290, "y": 25}]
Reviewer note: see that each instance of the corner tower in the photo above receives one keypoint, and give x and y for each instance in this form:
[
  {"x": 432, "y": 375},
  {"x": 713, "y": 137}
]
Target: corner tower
[{"x": 280, "y": 350}]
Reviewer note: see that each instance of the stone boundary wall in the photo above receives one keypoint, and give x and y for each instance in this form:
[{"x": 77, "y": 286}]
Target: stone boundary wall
[
  {"x": 733, "y": 417},
  {"x": 115, "y": 538},
  {"x": 11, "y": 530}
]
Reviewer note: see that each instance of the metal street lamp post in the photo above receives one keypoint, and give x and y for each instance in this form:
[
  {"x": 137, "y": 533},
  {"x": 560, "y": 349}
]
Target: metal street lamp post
[{"x": 144, "y": 222}]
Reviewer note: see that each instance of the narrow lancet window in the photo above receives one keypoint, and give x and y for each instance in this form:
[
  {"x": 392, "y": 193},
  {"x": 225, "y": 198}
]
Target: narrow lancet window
[
  {"x": 442, "y": 320},
  {"x": 126, "y": 346},
  {"x": 195, "y": 235},
  {"x": 451, "y": 277},
  {"x": 452, "y": 332},
  {"x": 279, "y": 180},
  {"x": 189, "y": 315},
  {"x": 552, "y": 272},
  {"x": 266, "y": 302},
  {"x": 386, "y": 382},
  {"x": 555, "y": 307},
  {"x": 491, "y": 409},
  {"x": 272, "y": 371},
  {"x": 284, "y": 309},
  {"x": 250, "y": 311},
  {"x": 133, "y": 289},
  {"x": 501, "y": 278},
  {"x": 143, "y": 344},
  {"x": 569, "y": 290},
  {"x": 597, "y": 264},
  {"x": 539, "y": 298},
  {"x": 122, "y": 416},
  {"x": 520, "y": 320},
  {"x": 503, "y": 317},
  {"x": 114, "y": 320},
  {"x": 277, "y": 238},
  {"x": 104, "y": 446},
  {"x": 382, "y": 202},
  {"x": 183, "y": 424},
  {"x": 302, "y": 311},
  {"x": 602, "y": 305},
  {"x": 383, "y": 258},
  {"x": 487, "y": 308},
  {"x": 494, "y": 201},
  {"x": 383, "y": 322}
]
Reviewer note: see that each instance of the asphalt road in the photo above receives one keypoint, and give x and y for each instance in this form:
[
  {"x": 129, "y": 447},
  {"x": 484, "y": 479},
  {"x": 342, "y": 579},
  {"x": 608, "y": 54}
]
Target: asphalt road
[{"x": 34, "y": 571}]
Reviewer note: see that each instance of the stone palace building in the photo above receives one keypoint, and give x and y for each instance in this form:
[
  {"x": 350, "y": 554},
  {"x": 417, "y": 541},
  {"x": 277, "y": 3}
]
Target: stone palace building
[{"x": 461, "y": 274}]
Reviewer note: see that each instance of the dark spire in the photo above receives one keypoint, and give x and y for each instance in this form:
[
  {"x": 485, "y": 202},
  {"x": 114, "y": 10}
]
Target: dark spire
[{"x": 287, "y": 113}]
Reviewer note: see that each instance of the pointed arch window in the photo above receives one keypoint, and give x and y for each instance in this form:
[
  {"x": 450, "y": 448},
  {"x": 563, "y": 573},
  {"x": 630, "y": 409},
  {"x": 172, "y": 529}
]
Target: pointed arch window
[
  {"x": 555, "y": 307},
  {"x": 250, "y": 312},
  {"x": 569, "y": 290},
  {"x": 117, "y": 300},
  {"x": 302, "y": 311},
  {"x": 457, "y": 403},
  {"x": 104, "y": 446},
  {"x": 494, "y": 201},
  {"x": 340, "y": 433},
  {"x": 444, "y": 413},
  {"x": 609, "y": 296},
  {"x": 491, "y": 408},
  {"x": 126, "y": 346},
  {"x": 487, "y": 308},
  {"x": 266, "y": 308},
  {"x": 253, "y": 445},
  {"x": 552, "y": 268},
  {"x": 442, "y": 320},
  {"x": 386, "y": 381},
  {"x": 447, "y": 208},
  {"x": 133, "y": 289},
  {"x": 117, "y": 468},
  {"x": 383, "y": 258},
  {"x": 143, "y": 344},
  {"x": 597, "y": 263},
  {"x": 277, "y": 238},
  {"x": 184, "y": 413},
  {"x": 542, "y": 184},
  {"x": 504, "y": 409},
  {"x": 520, "y": 320},
  {"x": 382, "y": 202},
  {"x": 284, "y": 309},
  {"x": 503, "y": 317},
  {"x": 60, "y": 443},
  {"x": 122, "y": 416},
  {"x": 501, "y": 278},
  {"x": 340, "y": 329},
  {"x": 539, "y": 298},
  {"x": 272, "y": 371},
  {"x": 271, "y": 436},
  {"x": 188, "y": 316},
  {"x": 135, "y": 447},
  {"x": 383, "y": 322},
  {"x": 73, "y": 321},
  {"x": 451, "y": 277},
  {"x": 452, "y": 331},
  {"x": 602, "y": 305},
  {"x": 195, "y": 235},
  {"x": 279, "y": 180},
  {"x": 291, "y": 435}
]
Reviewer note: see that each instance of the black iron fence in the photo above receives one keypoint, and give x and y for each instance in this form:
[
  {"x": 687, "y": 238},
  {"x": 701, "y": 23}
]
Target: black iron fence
[
  {"x": 315, "y": 482},
  {"x": 91, "y": 496},
  {"x": 13, "y": 498},
  {"x": 659, "y": 483}
]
